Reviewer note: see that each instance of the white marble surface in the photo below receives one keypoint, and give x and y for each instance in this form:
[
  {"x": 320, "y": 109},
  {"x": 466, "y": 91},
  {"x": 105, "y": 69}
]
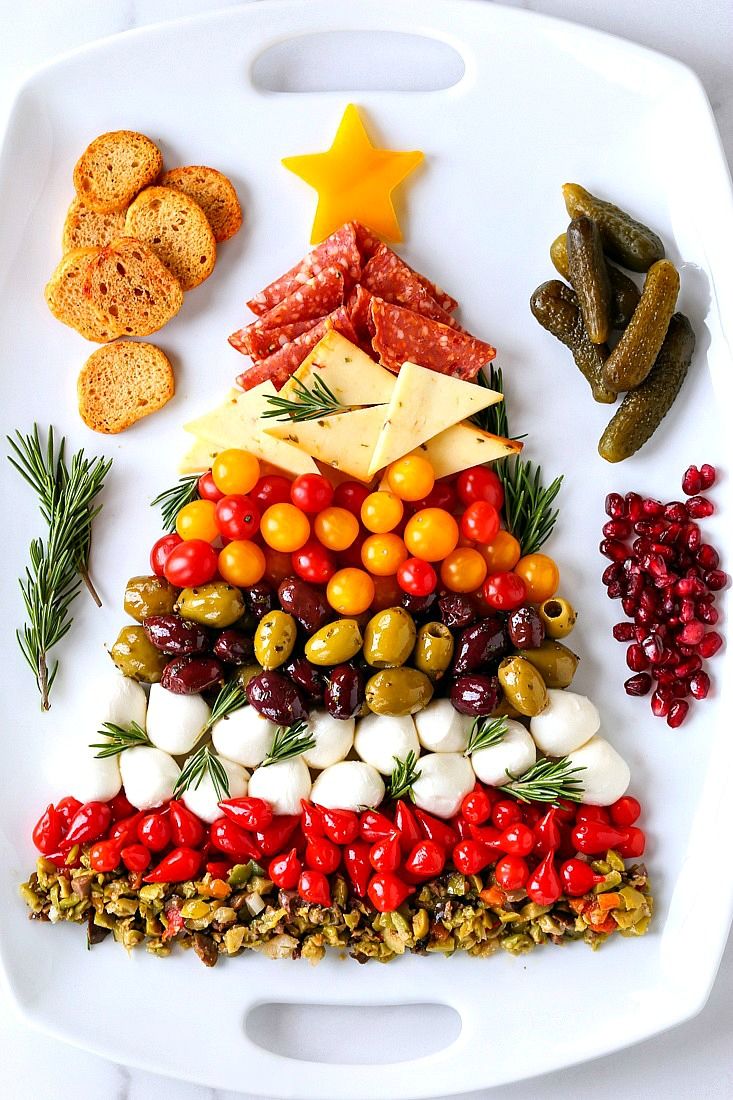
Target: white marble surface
[{"x": 692, "y": 1061}]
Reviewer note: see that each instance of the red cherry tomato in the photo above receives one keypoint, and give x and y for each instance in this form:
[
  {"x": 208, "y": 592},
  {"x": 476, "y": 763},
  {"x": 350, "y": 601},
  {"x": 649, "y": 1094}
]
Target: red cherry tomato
[
  {"x": 470, "y": 857},
  {"x": 476, "y": 807},
  {"x": 505, "y": 813},
  {"x": 543, "y": 885},
  {"x": 120, "y": 806},
  {"x": 48, "y": 830},
  {"x": 187, "y": 831},
  {"x": 387, "y": 892},
  {"x": 625, "y": 810},
  {"x": 207, "y": 488},
  {"x": 443, "y": 495},
  {"x": 480, "y": 522},
  {"x": 272, "y": 489},
  {"x": 578, "y": 877},
  {"x": 504, "y": 591},
  {"x": 426, "y": 860},
  {"x": 278, "y": 566},
  {"x": 511, "y": 872},
  {"x": 385, "y": 855},
  {"x": 104, "y": 856},
  {"x": 191, "y": 564},
  {"x": 313, "y": 563},
  {"x": 322, "y": 855},
  {"x": 136, "y": 858},
  {"x": 180, "y": 865},
  {"x": 285, "y": 870},
  {"x": 417, "y": 577},
  {"x": 311, "y": 493},
  {"x": 313, "y": 887},
  {"x": 237, "y": 517},
  {"x": 161, "y": 551},
  {"x": 350, "y": 495},
  {"x": 480, "y": 483},
  {"x": 154, "y": 832}
]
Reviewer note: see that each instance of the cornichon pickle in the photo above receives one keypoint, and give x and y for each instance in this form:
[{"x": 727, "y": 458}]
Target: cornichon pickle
[
  {"x": 633, "y": 357},
  {"x": 589, "y": 276},
  {"x": 624, "y": 239},
  {"x": 624, "y": 291},
  {"x": 555, "y": 306},
  {"x": 642, "y": 410}
]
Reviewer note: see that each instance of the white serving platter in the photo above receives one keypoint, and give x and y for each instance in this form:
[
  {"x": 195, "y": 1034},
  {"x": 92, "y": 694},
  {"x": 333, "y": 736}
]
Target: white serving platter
[{"x": 540, "y": 102}]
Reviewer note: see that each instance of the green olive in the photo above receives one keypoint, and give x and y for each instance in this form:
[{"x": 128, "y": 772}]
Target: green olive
[
  {"x": 335, "y": 643},
  {"x": 136, "y": 656},
  {"x": 554, "y": 661},
  {"x": 245, "y": 674},
  {"x": 389, "y": 638},
  {"x": 504, "y": 709},
  {"x": 433, "y": 650},
  {"x": 146, "y": 596},
  {"x": 522, "y": 685},
  {"x": 558, "y": 616},
  {"x": 275, "y": 638},
  {"x": 217, "y": 604},
  {"x": 398, "y": 691}
]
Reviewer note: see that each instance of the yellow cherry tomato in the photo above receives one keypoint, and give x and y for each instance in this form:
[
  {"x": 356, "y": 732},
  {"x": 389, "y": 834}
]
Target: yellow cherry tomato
[
  {"x": 540, "y": 575},
  {"x": 336, "y": 528},
  {"x": 284, "y": 527},
  {"x": 382, "y": 555},
  {"x": 411, "y": 477},
  {"x": 197, "y": 520},
  {"x": 431, "y": 534},
  {"x": 242, "y": 563},
  {"x": 381, "y": 512},
  {"x": 350, "y": 591},
  {"x": 502, "y": 553},
  {"x": 464, "y": 570},
  {"x": 235, "y": 471}
]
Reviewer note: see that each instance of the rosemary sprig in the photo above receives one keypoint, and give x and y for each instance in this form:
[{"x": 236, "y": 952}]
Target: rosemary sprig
[
  {"x": 119, "y": 739},
  {"x": 203, "y": 762},
  {"x": 404, "y": 774},
  {"x": 546, "y": 781},
  {"x": 305, "y": 404},
  {"x": 484, "y": 733},
  {"x": 231, "y": 697},
  {"x": 172, "y": 500},
  {"x": 289, "y": 742}
]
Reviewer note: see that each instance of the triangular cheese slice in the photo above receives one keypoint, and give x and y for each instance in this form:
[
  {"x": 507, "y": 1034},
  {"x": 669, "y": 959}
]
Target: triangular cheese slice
[
  {"x": 344, "y": 440},
  {"x": 198, "y": 457},
  {"x": 423, "y": 404},
  {"x": 465, "y": 445},
  {"x": 352, "y": 377}
]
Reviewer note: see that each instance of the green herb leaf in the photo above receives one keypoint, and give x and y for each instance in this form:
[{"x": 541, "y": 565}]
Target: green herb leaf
[
  {"x": 305, "y": 404},
  {"x": 484, "y": 732},
  {"x": 289, "y": 742},
  {"x": 201, "y": 764},
  {"x": 404, "y": 774},
  {"x": 546, "y": 781},
  {"x": 119, "y": 739},
  {"x": 231, "y": 697},
  {"x": 178, "y": 496}
]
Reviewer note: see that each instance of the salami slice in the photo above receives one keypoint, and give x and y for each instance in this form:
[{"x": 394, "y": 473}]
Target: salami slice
[
  {"x": 260, "y": 342},
  {"x": 360, "y": 313},
  {"x": 400, "y": 334},
  {"x": 340, "y": 250},
  {"x": 390, "y": 278},
  {"x": 320, "y": 295},
  {"x": 279, "y": 366},
  {"x": 366, "y": 241}
]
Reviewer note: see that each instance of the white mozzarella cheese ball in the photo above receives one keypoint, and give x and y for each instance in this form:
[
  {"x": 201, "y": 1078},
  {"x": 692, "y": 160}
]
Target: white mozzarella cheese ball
[
  {"x": 350, "y": 785},
  {"x": 175, "y": 721},
  {"x": 149, "y": 776},
  {"x": 380, "y": 738},
  {"x": 245, "y": 736},
  {"x": 515, "y": 753},
  {"x": 112, "y": 697},
  {"x": 282, "y": 784},
  {"x": 333, "y": 738},
  {"x": 90, "y": 779},
  {"x": 441, "y": 728},
  {"x": 606, "y": 776},
  {"x": 445, "y": 780},
  {"x": 566, "y": 723},
  {"x": 204, "y": 801}
]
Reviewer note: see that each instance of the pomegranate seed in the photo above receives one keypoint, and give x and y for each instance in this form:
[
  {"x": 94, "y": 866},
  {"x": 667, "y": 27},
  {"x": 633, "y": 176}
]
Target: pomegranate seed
[
  {"x": 611, "y": 548},
  {"x": 612, "y": 572},
  {"x": 689, "y": 586},
  {"x": 632, "y": 568},
  {"x": 680, "y": 689},
  {"x": 708, "y": 474},
  {"x": 660, "y": 704},
  {"x": 615, "y": 507},
  {"x": 653, "y": 648},
  {"x": 692, "y": 536},
  {"x": 677, "y": 713},
  {"x": 656, "y": 565},
  {"x": 635, "y": 586},
  {"x": 674, "y": 621},
  {"x": 615, "y": 590},
  {"x": 634, "y": 506},
  {"x": 671, "y": 533},
  {"x": 699, "y": 685},
  {"x": 664, "y": 690},
  {"x": 716, "y": 579},
  {"x": 652, "y": 507},
  {"x": 710, "y": 644},
  {"x": 686, "y": 668},
  {"x": 649, "y": 598},
  {"x": 691, "y": 634},
  {"x": 691, "y": 481},
  {"x": 687, "y": 611},
  {"x": 685, "y": 650},
  {"x": 666, "y": 552},
  {"x": 706, "y": 613},
  {"x": 665, "y": 580},
  {"x": 676, "y": 512},
  {"x": 623, "y": 632},
  {"x": 669, "y": 657},
  {"x": 700, "y": 508},
  {"x": 629, "y": 605},
  {"x": 636, "y": 658},
  {"x": 644, "y": 616},
  {"x": 639, "y": 684},
  {"x": 707, "y": 556},
  {"x": 617, "y": 529},
  {"x": 640, "y": 547}
]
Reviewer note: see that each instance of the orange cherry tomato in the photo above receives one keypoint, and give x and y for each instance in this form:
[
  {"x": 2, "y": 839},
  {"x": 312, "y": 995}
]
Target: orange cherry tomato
[
  {"x": 197, "y": 520},
  {"x": 350, "y": 591},
  {"x": 431, "y": 534},
  {"x": 502, "y": 553},
  {"x": 336, "y": 528},
  {"x": 381, "y": 512},
  {"x": 235, "y": 471},
  {"x": 541, "y": 576},
  {"x": 464, "y": 570},
  {"x": 387, "y": 593},
  {"x": 382, "y": 555},
  {"x": 285, "y": 528},
  {"x": 242, "y": 563},
  {"x": 411, "y": 477}
]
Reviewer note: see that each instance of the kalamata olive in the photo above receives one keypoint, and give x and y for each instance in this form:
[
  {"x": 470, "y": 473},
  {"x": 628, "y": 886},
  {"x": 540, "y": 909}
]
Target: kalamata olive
[
  {"x": 276, "y": 697},
  {"x": 475, "y": 695},
  {"x": 457, "y": 610},
  {"x": 234, "y": 647},
  {"x": 345, "y": 691},
  {"x": 486, "y": 640},
  {"x": 174, "y": 635},
  {"x": 420, "y": 606},
  {"x": 305, "y": 603},
  {"x": 260, "y": 599},
  {"x": 192, "y": 675},
  {"x": 308, "y": 677},
  {"x": 526, "y": 629}
]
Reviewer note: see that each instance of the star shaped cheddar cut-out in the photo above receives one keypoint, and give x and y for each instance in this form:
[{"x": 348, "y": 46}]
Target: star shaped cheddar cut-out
[{"x": 354, "y": 180}]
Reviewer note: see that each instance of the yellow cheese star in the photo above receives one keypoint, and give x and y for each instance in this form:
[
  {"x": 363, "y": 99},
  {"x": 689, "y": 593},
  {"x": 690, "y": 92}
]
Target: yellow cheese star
[{"x": 354, "y": 180}]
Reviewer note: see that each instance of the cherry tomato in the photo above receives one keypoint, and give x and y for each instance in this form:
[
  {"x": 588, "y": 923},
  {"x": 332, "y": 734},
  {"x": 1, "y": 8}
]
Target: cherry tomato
[
  {"x": 48, "y": 830},
  {"x": 322, "y": 855},
  {"x": 463, "y": 570},
  {"x": 271, "y": 489},
  {"x": 540, "y": 575},
  {"x": 470, "y": 857},
  {"x": 517, "y": 839},
  {"x": 502, "y": 553},
  {"x": 505, "y": 813},
  {"x": 313, "y": 887},
  {"x": 511, "y": 872},
  {"x": 625, "y": 810},
  {"x": 235, "y": 471},
  {"x": 417, "y": 577},
  {"x": 207, "y": 489},
  {"x": 191, "y": 564},
  {"x": 285, "y": 870},
  {"x": 411, "y": 477},
  {"x": 578, "y": 877},
  {"x": 385, "y": 855},
  {"x": 350, "y": 495},
  {"x": 543, "y": 885},
  {"x": 426, "y": 859},
  {"x": 387, "y": 593},
  {"x": 504, "y": 591},
  {"x": 104, "y": 856},
  {"x": 241, "y": 563},
  {"x": 277, "y": 566},
  {"x": 237, "y": 517},
  {"x": 179, "y": 865},
  {"x": 161, "y": 550},
  {"x": 311, "y": 492},
  {"x": 431, "y": 534},
  {"x": 136, "y": 858},
  {"x": 381, "y": 512},
  {"x": 187, "y": 830},
  {"x": 480, "y": 483},
  {"x": 382, "y": 555},
  {"x": 336, "y": 528},
  {"x": 197, "y": 520},
  {"x": 442, "y": 495},
  {"x": 480, "y": 522},
  {"x": 476, "y": 807},
  {"x": 350, "y": 591},
  {"x": 387, "y": 891},
  {"x": 285, "y": 528},
  {"x": 313, "y": 563},
  {"x": 154, "y": 832}
]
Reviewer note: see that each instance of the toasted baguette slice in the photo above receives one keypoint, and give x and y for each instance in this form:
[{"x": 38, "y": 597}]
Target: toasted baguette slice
[
  {"x": 121, "y": 384},
  {"x": 65, "y": 298},
  {"x": 86, "y": 228},
  {"x": 213, "y": 192},
  {"x": 114, "y": 168},
  {"x": 129, "y": 287},
  {"x": 177, "y": 230}
]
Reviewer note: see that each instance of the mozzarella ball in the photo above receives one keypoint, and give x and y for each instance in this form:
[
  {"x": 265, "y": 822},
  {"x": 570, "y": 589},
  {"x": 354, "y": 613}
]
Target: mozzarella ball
[
  {"x": 175, "y": 721},
  {"x": 204, "y": 801},
  {"x": 515, "y": 753},
  {"x": 441, "y": 728},
  {"x": 90, "y": 779},
  {"x": 445, "y": 780},
  {"x": 282, "y": 784},
  {"x": 380, "y": 738},
  {"x": 245, "y": 736},
  {"x": 112, "y": 697},
  {"x": 607, "y": 774},
  {"x": 566, "y": 723},
  {"x": 149, "y": 776},
  {"x": 333, "y": 738},
  {"x": 350, "y": 785}
]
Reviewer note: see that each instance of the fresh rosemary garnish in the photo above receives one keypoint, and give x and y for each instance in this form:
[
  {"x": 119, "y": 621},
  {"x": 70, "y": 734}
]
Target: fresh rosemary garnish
[
  {"x": 305, "y": 404},
  {"x": 178, "y": 496},
  {"x": 203, "y": 762},
  {"x": 289, "y": 742},
  {"x": 546, "y": 781},
  {"x": 119, "y": 739},
  {"x": 231, "y": 697},
  {"x": 484, "y": 733},
  {"x": 404, "y": 774}
]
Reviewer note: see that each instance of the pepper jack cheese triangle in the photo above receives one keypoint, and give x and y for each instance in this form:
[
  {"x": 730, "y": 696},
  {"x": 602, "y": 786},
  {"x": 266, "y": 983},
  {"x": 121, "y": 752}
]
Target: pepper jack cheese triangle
[
  {"x": 464, "y": 445},
  {"x": 423, "y": 404},
  {"x": 198, "y": 457},
  {"x": 343, "y": 440},
  {"x": 352, "y": 377}
]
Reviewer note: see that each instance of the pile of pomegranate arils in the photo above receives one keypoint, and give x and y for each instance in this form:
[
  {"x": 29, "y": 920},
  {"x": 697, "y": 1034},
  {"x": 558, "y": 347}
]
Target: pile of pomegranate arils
[{"x": 666, "y": 578}]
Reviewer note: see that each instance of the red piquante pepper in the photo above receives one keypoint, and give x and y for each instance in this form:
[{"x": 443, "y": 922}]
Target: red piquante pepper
[
  {"x": 578, "y": 877},
  {"x": 253, "y": 814},
  {"x": 385, "y": 855},
  {"x": 547, "y": 833},
  {"x": 219, "y": 868},
  {"x": 470, "y": 857},
  {"x": 488, "y": 836},
  {"x": 187, "y": 831},
  {"x": 321, "y": 854},
  {"x": 426, "y": 860},
  {"x": 124, "y": 832},
  {"x": 136, "y": 858},
  {"x": 89, "y": 823},
  {"x": 311, "y": 822},
  {"x": 387, "y": 891},
  {"x": 406, "y": 826},
  {"x": 544, "y": 886},
  {"x": 48, "y": 830},
  {"x": 154, "y": 832},
  {"x": 67, "y": 809},
  {"x": 180, "y": 865},
  {"x": 340, "y": 826},
  {"x": 374, "y": 826},
  {"x": 358, "y": 867},
  {"x": 274, "y": 838},
  {"x": 435, "y": 829},
  {"x": 595, "y": 837},
  {"x": 313, "y": 887},
  {"x": 476, "y": 806},
  {"x": 228, "y": 838},
  {"x": 104, "y": 855},
  {"x": 284, "y": 870},
  {"x": 120, "y": 806}
]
